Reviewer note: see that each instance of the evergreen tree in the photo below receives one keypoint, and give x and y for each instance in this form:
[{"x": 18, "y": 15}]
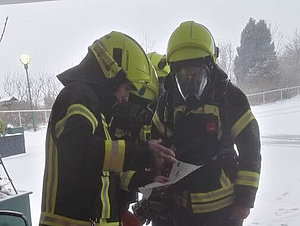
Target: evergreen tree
[{"x": 256, "y": 66}]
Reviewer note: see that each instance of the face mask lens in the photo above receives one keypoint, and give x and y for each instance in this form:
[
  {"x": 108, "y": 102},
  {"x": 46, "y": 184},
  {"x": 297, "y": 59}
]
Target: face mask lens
[{"x": 191, "y": 81}]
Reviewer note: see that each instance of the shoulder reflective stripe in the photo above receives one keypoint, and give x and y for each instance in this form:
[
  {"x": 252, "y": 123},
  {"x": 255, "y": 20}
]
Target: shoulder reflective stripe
[
  {"x": 159, "y": 125},
  {"x": 125, "y": 178},
  {"x": 248, "y": 178},
  {"x": 105, "y": 126},
  {"x": 212, "y": 195},
  {"x": 224, "y": 180},
  {"x": 209, "y": 207},
  {"x": 210, "y": 109},
  {"x": 51, "y": 175},
  {"x": 57, "y": 220},
  {"x": 76, "y": 109},
  {"x": 104, "y": 195},
  {"x": 114, "y": 155},
  {"x": 241, "y": 123}
]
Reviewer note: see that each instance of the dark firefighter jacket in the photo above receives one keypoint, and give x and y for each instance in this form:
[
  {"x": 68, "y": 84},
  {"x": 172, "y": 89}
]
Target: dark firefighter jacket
[
  {"x": 204, "y": 133},
  {"x": 84, "y": 166}
]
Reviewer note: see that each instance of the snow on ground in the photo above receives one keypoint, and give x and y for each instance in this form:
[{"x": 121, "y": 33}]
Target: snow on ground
[
  {"x": 278, "y": 197},
  {"x": 26, "y": 170}
]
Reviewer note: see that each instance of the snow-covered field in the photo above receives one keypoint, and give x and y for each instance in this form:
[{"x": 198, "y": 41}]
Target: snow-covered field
[{"x": 278, "y": 198}]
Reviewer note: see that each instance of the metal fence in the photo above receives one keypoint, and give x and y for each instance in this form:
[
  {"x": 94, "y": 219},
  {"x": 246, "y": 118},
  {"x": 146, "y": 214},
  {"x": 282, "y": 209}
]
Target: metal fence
[
  {"x": 272, "y": 96},
  {"x": 23, "y": 118}
]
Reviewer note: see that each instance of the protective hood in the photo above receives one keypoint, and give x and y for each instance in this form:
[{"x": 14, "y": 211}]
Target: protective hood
[{"x": 88, "y": 71}]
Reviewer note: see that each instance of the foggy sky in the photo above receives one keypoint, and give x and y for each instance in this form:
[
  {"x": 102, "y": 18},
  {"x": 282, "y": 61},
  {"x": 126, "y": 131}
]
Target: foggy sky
[{"x": 57, "y": 34}]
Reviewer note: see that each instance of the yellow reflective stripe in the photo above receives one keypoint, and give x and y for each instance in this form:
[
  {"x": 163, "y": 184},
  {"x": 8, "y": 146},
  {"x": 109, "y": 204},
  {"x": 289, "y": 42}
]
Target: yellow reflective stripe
[
  {"x": 107, "y": 155},
  {"x": 51, "y": 179},
  {"x": 241, "y": 123},
  {"x": 104, "y": 195},
  {"x": 212, "y": 195},
  {"x": 105, "y": 126},
  {"x": 55, "y": 182},
  {"x": 160, "y": 126},
  {"x": 248, "y": 178},
  {"x": 224, "y": 180},
  {"x": 180, "y": 108},
  {"x": 109, "y": 66},
  {"x": 57, "y": 220},
  {"x": 103, "y": 222},
  {"x": 76, "y": 109},
  {"x": 125, "y": 178},
  {"x": 209, "y": 207},
  {"x": 114, "y": 155},
  {"x": 145, "y": 132}
]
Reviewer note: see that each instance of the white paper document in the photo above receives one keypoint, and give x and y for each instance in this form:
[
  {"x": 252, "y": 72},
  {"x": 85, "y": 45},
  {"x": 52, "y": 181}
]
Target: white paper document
[{"x": 179, "y": 170}]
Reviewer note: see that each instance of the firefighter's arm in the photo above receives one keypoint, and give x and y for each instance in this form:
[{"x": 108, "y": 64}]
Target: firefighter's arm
[
  {"x": 245, "y": 134},
  {"x": 132, "y": 180},
  {"x": 248, "y": 144},
  {"x": 110, "y": 155}
]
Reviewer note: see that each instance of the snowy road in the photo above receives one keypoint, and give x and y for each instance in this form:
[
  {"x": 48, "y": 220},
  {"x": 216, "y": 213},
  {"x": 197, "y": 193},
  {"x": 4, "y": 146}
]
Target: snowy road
[
  {"x": 281, "y": 140},
  {"x": 278, "y": 198}
]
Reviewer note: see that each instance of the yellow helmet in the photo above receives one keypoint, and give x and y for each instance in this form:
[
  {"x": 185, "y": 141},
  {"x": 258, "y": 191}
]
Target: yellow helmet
[
  {"x": 160, "y": 64},
  {"x": 190, "y": 41},
  {"x": 117, "y": 51},
  {"x": 147, "y": 89}
]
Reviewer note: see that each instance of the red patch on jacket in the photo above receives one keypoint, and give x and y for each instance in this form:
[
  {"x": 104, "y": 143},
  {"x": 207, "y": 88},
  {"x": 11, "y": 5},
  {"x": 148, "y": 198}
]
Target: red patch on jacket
[{"x": 211, "y": 127}]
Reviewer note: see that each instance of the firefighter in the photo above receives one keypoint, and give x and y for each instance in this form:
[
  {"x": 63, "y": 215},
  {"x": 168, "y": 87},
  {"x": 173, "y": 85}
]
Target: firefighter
[
  {"x": 84, "y": 166},
  {"x": 203, "y": 116},
  {"x": 161, "y": 66},
  {"x": 132, "y": 121}
]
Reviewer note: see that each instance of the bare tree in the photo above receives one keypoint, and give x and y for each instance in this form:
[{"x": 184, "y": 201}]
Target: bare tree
[
  {"x": 277, "y": 38},
  {"x": 146, "y": 43},
  {"x": 8, "y": 85},
  {"x": 290, "y": 61},
  {"x": 42, "y": 86},
  {"x": 14, "y": 85},
  {"x": 226, "y": 59}
]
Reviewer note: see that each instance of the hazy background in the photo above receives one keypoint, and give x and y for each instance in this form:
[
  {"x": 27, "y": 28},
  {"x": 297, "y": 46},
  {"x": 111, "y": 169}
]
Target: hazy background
[{"x": 56, "y": 34}]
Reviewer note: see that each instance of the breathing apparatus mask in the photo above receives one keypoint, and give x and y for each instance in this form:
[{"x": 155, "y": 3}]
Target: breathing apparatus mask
[{"x": 192, "y": 80}]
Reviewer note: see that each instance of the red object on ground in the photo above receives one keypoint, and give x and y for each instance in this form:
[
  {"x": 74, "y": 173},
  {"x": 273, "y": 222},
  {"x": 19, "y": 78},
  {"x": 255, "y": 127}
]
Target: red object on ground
[{"x": 129, "y": 219}]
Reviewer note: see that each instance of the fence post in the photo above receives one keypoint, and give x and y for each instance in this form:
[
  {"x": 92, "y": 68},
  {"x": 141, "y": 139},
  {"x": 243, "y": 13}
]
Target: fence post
[
  {"x": 281, "y": 95},
  {"x": 20, "y": 119},
  {"x": 45, "y": 117},
  {"x": 263, "y": 98}
]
